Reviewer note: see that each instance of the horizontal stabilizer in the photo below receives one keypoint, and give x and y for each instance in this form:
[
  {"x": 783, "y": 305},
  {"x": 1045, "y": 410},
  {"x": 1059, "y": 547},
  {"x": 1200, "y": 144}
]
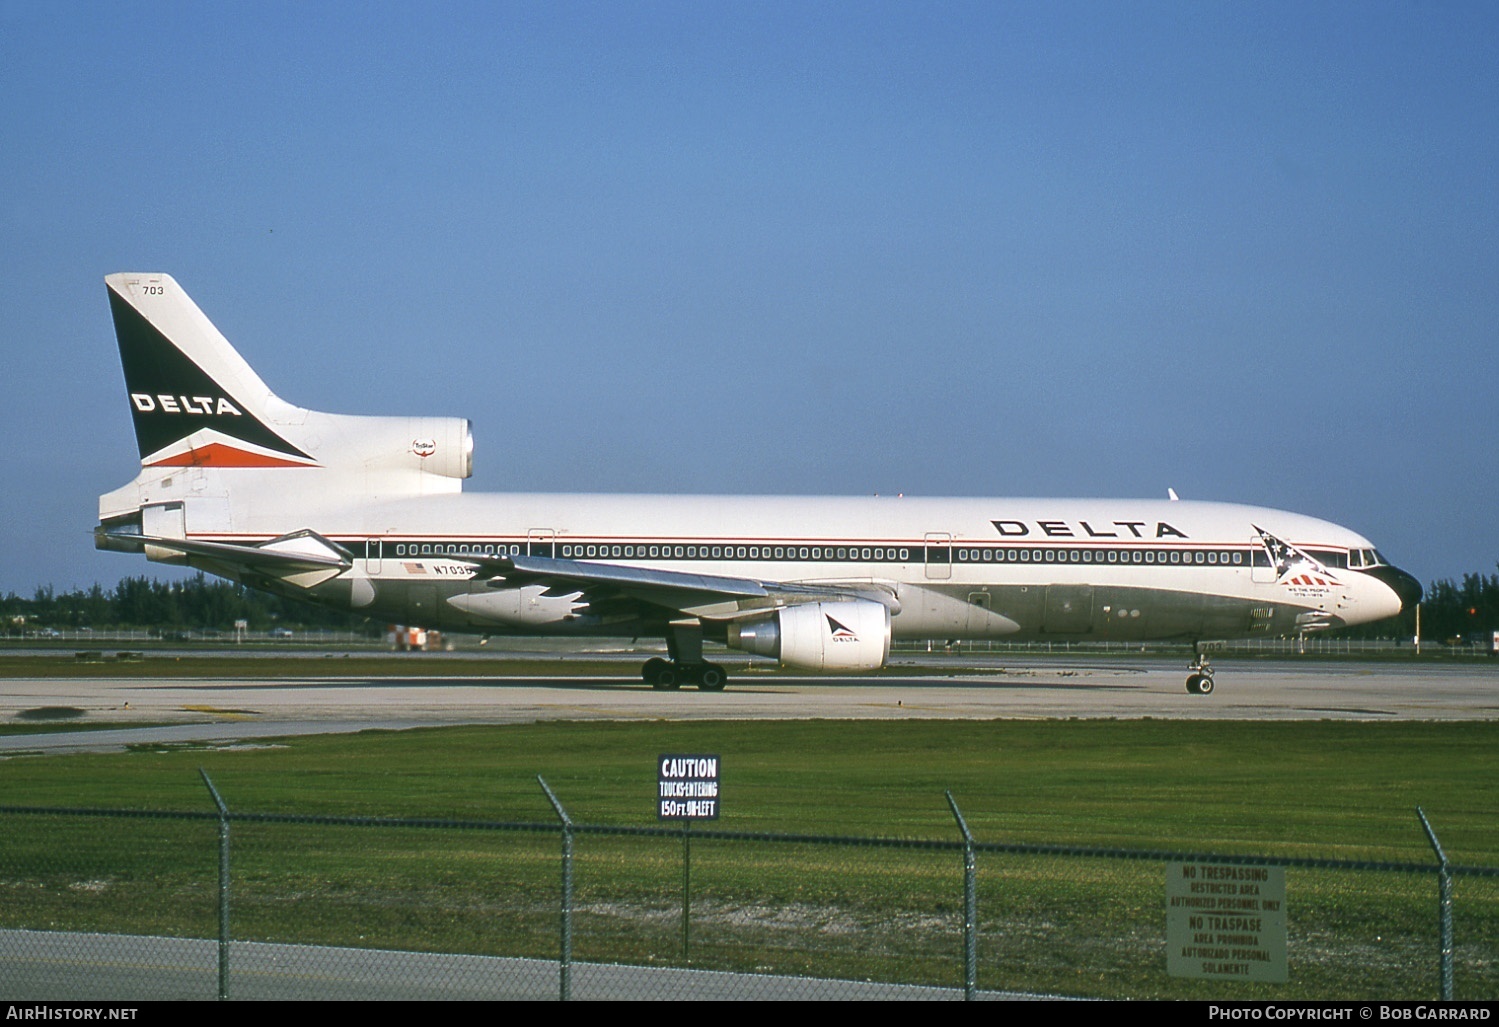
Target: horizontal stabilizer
[{"x": 302, "y": 558}]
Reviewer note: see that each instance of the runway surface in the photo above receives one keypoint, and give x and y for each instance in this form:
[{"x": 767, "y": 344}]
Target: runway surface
[{"x": 206, "y": 710}]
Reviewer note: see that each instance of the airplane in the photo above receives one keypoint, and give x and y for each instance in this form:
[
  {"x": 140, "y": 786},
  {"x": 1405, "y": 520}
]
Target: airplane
[{"x": 368, "y": 514}]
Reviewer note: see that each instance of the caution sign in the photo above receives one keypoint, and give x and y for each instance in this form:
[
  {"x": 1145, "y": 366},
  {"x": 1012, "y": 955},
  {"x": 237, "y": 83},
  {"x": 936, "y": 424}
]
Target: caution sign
[
  {"x": 1226, "y": 922},
  {"x": 686, "y": 787}
]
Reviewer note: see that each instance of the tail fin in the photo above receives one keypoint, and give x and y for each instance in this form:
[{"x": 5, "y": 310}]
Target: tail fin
[
  {"x": 216, "y": 444},
  {"x": 194, "y": 400}
]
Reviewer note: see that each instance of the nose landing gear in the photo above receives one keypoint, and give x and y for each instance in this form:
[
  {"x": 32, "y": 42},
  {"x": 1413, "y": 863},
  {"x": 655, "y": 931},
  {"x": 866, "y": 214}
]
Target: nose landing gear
[{"x": 1200, "y": 681}]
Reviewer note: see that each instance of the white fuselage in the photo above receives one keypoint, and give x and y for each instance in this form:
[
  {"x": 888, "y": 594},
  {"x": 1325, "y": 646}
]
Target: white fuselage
[{"x": 969, "y": 568}]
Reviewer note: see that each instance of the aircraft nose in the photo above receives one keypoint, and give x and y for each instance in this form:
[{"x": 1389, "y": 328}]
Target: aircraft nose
[{"x": 1407, "y": 588}]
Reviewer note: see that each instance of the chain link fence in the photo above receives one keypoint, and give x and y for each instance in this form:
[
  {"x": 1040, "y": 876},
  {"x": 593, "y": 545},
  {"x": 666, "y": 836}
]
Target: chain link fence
[{"x": 128, "y": 905}]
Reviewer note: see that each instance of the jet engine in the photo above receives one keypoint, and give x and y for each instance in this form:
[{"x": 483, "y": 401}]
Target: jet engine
[
  {"x": 851, "y": 635},
  {"x": 443, "y": 446}
]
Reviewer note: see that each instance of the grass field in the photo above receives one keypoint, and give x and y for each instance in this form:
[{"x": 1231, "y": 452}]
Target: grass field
[
  {"x": 1335, "y": 789},
  {"x": 1342, "y": 790}
]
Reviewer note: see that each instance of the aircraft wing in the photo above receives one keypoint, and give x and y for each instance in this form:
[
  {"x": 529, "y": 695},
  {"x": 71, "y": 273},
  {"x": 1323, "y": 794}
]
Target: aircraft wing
[{"x": 700, "y": 595}]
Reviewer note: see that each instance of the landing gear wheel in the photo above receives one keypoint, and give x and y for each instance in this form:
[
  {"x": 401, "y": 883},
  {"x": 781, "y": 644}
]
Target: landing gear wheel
[
  {"x": 711, "y": 677},
  {"x": 651, "y": 669},
  {"x": 660, "y": 674},
  {"x": 1200, "y": 682},
  {"x": 669, "y": 675}
]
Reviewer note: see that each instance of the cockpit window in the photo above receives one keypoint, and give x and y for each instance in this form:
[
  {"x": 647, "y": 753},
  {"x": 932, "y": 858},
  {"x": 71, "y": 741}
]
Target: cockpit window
[
  {"x": 1330, "y": 558},
  {"x": 1365, "y": 558}
]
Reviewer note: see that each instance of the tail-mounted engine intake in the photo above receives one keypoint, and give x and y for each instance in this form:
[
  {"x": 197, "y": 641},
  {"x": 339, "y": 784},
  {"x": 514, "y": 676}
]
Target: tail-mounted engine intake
[
  {"x": 442, "y": 446},
  {"x": 835, "y": 636}
]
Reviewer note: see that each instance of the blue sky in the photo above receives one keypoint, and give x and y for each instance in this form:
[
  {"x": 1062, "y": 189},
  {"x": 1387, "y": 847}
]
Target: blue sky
[{"x": 1247, "y": 251}]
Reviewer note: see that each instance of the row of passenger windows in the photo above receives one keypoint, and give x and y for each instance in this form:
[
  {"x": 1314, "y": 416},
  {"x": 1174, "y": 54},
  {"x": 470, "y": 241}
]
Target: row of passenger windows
[
  {"x": 1142, "y": 556},
  {"x": 428, "y": 549},
  {"x": 876, "y": 554}
]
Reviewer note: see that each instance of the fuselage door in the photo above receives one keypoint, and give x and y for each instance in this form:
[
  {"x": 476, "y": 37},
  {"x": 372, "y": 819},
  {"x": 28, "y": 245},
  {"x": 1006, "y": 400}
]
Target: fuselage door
[
  {"x": 1261, "y": 567},
  {"x": 938, "y": 555},
  {"x": 978, "y": 613},
  {"x": 164, "y": 520},
  {"x": 421, "y": 606},
  {"x": 541, "y": 542},
  {"x": 374, "y": 549},
  {"x": 1069, "y": 610}
]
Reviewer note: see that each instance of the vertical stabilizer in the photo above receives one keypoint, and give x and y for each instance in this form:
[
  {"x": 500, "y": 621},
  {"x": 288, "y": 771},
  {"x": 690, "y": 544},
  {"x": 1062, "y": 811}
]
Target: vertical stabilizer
[
  {"x": 193, "y": 399},
  {"x": 216, "y": 441}
]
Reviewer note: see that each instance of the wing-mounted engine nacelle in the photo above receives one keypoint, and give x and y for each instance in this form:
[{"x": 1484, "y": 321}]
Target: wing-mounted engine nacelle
[{"x": 828, "y": 637}]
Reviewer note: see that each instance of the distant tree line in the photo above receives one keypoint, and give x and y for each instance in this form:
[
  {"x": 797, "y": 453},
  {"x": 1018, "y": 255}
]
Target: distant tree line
[
  {"x": 1449, "y": 609},
  {"x": 195, "y": 604}
]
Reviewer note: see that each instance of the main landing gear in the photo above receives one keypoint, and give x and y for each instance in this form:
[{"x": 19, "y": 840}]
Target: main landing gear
[
  {"x": 1200, "y": 681},
  {"x": 669, "y": 675},
  {"x": 686, "y": 667}
]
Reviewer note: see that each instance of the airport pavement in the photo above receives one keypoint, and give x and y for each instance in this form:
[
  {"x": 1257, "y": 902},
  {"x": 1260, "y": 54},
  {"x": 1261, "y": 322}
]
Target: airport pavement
[{"x": 210, "y": 711}]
